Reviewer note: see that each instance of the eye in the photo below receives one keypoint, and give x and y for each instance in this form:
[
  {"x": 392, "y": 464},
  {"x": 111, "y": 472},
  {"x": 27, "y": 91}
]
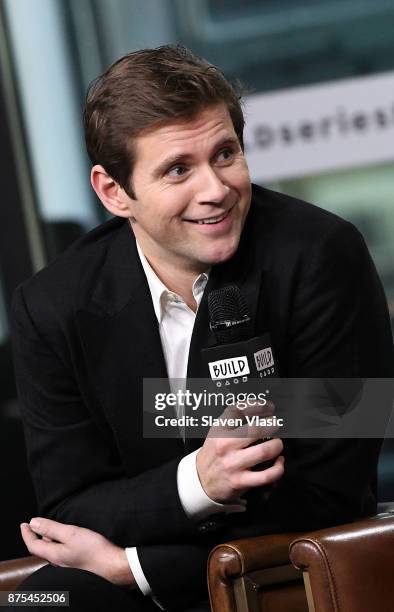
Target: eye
[
  {"x": 177, "y": 171},
  {"x": 225, "y": 155}
]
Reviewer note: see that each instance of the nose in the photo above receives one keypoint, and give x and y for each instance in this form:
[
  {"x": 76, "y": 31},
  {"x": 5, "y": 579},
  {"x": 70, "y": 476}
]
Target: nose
[{"x": 211, "y": 190}]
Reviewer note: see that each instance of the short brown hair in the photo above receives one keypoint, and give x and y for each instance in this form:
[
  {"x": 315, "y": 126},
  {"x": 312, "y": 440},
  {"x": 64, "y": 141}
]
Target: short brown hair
[{"x": 144, "y": 89}]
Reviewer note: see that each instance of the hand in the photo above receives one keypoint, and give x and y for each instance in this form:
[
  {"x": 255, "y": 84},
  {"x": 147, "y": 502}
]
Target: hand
[
  {"x": 71, "y": 546},
  {"x": 224, "y": 463}
]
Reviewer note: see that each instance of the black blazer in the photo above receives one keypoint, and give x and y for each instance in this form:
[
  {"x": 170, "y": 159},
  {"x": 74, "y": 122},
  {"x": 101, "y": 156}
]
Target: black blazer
[{"x": 85, "y": 335}]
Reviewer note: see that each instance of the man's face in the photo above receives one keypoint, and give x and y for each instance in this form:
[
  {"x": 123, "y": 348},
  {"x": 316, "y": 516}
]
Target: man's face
[{"x": 192, "y": 191}]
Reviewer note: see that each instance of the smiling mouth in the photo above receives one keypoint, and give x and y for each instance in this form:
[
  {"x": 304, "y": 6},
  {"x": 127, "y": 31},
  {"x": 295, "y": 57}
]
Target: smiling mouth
[{"x": 210, "y": 220}]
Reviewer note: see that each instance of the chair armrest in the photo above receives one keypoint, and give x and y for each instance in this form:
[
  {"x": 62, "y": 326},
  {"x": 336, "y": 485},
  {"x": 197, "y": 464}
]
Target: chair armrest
[
  {"x": 13, "y": 572},
  {"x": 349, "y": 567},
  {"x": 238, "y": 569}
]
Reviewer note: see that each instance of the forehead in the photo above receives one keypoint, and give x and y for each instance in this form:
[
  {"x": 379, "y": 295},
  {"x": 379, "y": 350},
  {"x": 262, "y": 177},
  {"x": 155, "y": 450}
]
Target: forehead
[{"x": 185, "y": 136}]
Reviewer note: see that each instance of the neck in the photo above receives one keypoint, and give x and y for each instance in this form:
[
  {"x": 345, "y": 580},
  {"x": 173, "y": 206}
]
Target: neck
[
  {"x": 171, "y": 273},
  {"x": 176, "y": 280}
]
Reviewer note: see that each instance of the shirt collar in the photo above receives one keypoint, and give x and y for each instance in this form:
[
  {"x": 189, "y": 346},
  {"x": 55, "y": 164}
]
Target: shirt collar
[{"x": 161, "y": 295}]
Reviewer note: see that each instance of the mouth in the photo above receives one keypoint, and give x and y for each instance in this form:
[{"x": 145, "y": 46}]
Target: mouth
[{"x": 211, "y": 220}]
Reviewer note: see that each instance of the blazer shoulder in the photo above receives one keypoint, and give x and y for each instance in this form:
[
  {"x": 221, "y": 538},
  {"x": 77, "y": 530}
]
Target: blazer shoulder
[
  {"x": 286, "y": 220},
  {"x": 75, "y": 270}
]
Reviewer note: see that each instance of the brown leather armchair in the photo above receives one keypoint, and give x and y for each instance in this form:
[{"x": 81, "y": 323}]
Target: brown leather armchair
[
  {"x": 255, "y": 574},
  {"x": 348, "y": 568}
]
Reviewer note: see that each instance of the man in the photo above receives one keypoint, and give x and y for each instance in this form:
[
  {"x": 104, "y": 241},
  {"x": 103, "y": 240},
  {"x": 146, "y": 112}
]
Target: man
[{"x": 129, "y": 300}]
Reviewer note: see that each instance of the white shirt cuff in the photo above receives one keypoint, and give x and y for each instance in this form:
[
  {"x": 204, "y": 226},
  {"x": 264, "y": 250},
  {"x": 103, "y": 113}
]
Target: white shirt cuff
[
  {"x": 139, "y": 576},
  {"x": 136, "y": 570},
  {"x": 196, "y": 503}
]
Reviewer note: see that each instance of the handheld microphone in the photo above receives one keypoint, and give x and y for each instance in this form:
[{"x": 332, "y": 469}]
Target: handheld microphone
[{"x": 237, "y": 357}]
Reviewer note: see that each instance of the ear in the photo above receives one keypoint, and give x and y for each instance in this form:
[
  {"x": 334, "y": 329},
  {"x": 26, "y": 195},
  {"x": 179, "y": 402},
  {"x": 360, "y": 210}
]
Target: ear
[{"x": 111, "y": 194}]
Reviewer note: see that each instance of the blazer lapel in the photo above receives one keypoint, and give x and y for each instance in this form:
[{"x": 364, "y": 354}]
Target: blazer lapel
[{"x": 122, "y": 346}]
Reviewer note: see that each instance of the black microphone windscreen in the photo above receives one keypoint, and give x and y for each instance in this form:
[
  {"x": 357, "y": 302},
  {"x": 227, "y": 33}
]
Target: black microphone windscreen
[{"x": 229, "y": 314}]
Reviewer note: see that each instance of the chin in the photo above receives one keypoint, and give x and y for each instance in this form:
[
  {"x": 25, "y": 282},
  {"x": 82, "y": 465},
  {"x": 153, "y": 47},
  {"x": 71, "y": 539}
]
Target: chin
[{"x": 222, "y": 253}]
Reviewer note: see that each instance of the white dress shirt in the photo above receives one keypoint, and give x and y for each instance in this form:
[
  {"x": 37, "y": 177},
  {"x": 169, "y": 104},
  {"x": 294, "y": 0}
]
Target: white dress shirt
[{"x": 176, "y": 321}]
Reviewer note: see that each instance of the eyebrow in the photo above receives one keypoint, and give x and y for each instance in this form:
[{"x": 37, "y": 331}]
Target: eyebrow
[{"x": 178, "y": 158}]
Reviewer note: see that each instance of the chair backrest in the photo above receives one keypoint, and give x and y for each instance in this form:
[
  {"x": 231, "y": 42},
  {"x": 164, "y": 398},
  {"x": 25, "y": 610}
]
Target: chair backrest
[{"x": 350, "y": 567}]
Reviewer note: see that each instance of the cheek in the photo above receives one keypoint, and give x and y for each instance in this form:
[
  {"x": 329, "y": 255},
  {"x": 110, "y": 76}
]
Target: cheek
[
  {"x": 245, "y": 188},
  {"x": 244, "y": 177},
  {"x": 239, "y": 176},
  {"x": 176, "y": 201}
]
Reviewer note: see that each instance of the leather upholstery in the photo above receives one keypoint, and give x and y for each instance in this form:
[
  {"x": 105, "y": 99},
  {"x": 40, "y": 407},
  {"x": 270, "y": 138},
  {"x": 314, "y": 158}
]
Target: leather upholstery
[
  {"x": 13, "y": 572},
  {"x": 347, "y": 568},
  {"x": 350, "y": 567},
  {"x": 255, "y": 574}
]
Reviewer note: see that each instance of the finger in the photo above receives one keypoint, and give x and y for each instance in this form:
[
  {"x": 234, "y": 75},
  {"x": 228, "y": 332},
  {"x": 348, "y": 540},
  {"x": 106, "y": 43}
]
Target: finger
[
  {"x": 238, "y": 411},
  {"x": 243, "y": 435},
  {"x": 259, "y": 453},
  {"x": 51, "y": 529},
  {"x": 247, "y": 434},
  {"x": 233, "y": 440},
  {"x": 256, "y": 430},
  {"x": 45, "y": 538},
  {"x": 265, "y": 477},
  {"x": 257, "y": 408},
  {"x": 28, "y": 535},
  {"x": 233, "y": 417},
  {"x": 36, "y": 546}
]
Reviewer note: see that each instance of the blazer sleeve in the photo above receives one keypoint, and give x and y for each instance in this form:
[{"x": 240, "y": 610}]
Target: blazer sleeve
[
  {"x": 339, "y": 325},
  {"x": 186, "y": 582},
  {"x": 73, "y": 459},
  {"x": 339, "y": 328}
]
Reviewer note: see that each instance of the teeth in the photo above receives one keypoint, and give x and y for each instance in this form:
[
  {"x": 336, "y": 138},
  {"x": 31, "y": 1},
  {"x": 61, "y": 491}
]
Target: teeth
[{"x": 210, "y": 221}]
